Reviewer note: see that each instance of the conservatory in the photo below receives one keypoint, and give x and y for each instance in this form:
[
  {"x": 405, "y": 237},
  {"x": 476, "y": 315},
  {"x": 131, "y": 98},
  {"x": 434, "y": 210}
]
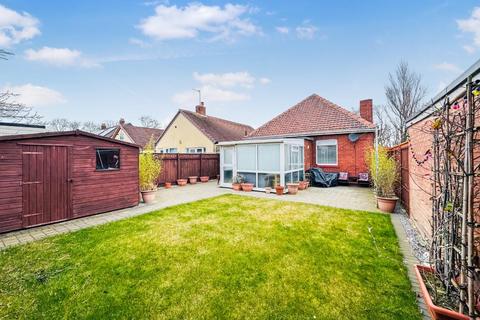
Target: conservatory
[{"x": 265, "y": 163}]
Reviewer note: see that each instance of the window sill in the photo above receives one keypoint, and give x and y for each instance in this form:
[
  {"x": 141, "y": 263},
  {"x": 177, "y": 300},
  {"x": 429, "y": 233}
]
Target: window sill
[
  {"x": 106, "y": 170},
  {"x": 328, "y": 165}
]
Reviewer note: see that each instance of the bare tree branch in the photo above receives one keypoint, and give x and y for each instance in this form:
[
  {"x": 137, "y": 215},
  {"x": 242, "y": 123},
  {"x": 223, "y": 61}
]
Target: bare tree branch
[
  {"x": 4, "y": 54},
  {"x": 149, "y": 122},
  {"x": 12, "y": 111}
]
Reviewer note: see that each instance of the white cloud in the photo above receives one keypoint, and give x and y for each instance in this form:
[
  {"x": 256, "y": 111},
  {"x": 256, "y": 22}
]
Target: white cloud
[
  {"x": 35, "y": 96},
  {"x": 172, "y": 22},
  {"x": 226, "y": 80},
  {"x": 209, "y": 93},
  {"x": 16, "y": 27},
  {"x": 60, "y": 57},
  {"x": 264, "y": 80},
  {"x": 283, "y": 30},
  {"x": 469, "y": 49},
  {"x": 449, "y": 67},
  {"x": 306, "y": 31},
  {"x": 471, "y": 25},
  {"x": 139, "y": 42}
]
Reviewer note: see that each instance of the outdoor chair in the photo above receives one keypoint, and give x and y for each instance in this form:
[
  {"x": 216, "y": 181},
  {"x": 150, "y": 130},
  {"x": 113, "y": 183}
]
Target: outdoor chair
[
  {"x": 363, "y": 179},
  {"x": 343, "y": 178}
]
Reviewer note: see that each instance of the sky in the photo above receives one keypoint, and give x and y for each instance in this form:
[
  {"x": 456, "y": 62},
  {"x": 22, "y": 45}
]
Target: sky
[{"x": 105, "y": 60}]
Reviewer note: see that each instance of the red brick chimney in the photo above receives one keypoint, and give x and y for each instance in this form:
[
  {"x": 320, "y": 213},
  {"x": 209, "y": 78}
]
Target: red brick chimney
[
  {"x": 103, "y": 126},
  {"x": 366, "y": 109},
  {"x": 201, "y": 109},
  {"x": 122, "y": 121}
]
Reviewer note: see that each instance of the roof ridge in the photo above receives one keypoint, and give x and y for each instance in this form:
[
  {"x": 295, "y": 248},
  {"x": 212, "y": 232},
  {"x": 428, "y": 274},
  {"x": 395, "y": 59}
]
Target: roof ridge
[{"x": 217, "y": 118}]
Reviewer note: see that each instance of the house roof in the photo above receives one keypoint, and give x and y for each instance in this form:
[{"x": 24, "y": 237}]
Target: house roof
[
  {"x": 23, "y": 125},
  {"x": 139, "y": 135},
  {"x": 214, "y": 128},
  {"x": 313, "y": 116},
  {"x": 64, "y": 133}
]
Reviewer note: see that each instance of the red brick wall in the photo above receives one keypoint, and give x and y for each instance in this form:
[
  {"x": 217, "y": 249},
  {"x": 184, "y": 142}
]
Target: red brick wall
[
  {"x": 366, "y": 109},
  {"x": 351, "y": 156}
]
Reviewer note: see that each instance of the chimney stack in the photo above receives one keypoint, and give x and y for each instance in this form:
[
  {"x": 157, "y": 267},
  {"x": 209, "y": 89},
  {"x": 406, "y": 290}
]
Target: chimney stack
[
  {"x": 366, "y": 109},
  {"x": 122, "y": 121},
  {"x": 103, "y": 126},
  {"x": 201, "y": 109}
]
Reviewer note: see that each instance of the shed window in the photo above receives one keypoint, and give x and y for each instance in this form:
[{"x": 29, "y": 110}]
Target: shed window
[
  {"x": 327, "y": 152},
  {"x": 108, "y": 159}
]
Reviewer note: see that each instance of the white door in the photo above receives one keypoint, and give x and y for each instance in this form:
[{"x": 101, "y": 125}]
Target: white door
[{"x": 226, "y": 169}]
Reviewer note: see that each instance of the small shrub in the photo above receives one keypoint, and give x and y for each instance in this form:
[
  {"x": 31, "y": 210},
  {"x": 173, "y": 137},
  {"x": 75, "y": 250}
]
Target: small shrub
[
  {"x": 149, "y": 168},
  {"x": 386, "y": 176}
]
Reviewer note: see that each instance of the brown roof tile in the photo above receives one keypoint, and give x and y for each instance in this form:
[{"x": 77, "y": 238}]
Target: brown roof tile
[
  {"x": 313, "y": 115},
  {"x": 142, "y": 135}
]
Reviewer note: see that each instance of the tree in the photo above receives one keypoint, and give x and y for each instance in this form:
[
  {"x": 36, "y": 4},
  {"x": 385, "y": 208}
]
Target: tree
[
  {"x": 385, "y": 132},
  {"x": 62, "y": 124},
  {"x": 12, "y": 111},
  {"x": 149, "y": 122},
  {"x": 404, "y": 93},
  {"x": 4, "y": 54},
  {"x": 90, "y": 126}
]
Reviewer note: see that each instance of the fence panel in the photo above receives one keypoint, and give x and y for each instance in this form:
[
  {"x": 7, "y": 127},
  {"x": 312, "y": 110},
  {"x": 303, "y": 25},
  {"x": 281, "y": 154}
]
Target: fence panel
[
  {"x": 400, "y": 154},
  {"x": 183, "y": 165}
]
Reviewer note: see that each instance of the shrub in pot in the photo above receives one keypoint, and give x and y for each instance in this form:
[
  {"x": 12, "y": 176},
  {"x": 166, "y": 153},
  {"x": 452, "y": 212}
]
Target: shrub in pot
[
  {"x": 237, "y": 182},
  {"x": 384, "y": 174},
  {"x": 149, "y": 170}
]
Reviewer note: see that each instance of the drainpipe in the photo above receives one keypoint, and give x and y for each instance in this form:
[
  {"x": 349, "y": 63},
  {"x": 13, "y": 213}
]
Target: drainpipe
[{"x": 376, "y": 152}]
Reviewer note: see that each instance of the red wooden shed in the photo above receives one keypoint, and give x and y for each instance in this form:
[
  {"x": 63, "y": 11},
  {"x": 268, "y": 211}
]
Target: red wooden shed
[{"x": 49, "y": 177}]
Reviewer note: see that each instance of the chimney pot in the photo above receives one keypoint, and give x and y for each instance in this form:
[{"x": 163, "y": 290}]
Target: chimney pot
[
  {"x": 122, "y": 121},
  {"x": 366, "y": 109},
  {"x": 201, "y": 109},
  {"x": 103, "y": 126}
]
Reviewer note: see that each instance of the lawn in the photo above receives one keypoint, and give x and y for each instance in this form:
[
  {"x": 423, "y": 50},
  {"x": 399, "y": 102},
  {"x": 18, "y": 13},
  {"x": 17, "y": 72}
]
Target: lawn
[{"x": 226, "y": 257}]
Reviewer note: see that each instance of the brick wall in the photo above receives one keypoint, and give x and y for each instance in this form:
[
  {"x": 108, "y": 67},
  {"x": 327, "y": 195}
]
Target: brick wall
[{"x": 351, "y": 156}]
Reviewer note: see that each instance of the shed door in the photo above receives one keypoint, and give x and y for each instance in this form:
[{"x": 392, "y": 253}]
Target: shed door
[{"x": 46, "y": 196}]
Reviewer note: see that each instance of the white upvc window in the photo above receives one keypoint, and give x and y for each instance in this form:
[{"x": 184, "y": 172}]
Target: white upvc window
[
  {"x": 168, "y": 150},
  {"x": 327, "y": 152},
  {"x": 195, "y": 150}
]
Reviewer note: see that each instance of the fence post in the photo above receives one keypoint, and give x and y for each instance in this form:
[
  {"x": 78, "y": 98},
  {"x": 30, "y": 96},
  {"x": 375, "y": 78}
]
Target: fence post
[
  {"x": 178, "y": 166},
  {"x": 200, "y": 169}
]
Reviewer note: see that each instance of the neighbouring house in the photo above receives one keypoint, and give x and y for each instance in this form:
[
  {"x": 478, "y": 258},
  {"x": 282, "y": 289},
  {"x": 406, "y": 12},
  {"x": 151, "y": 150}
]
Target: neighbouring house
[
  {"x": 129, "y": 133},
  {"x": 197, "y": 132},
  {"x": 416, "y": 155},
  {"x": 313, "y": 133},
  {"x": 56, "y": 176},
  {"x": 7, "y": 128}
]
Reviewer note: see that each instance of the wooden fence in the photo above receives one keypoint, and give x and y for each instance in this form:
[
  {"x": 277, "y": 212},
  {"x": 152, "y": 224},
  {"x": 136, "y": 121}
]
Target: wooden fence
[
  {"x": 183, "y": 165},
  {"x": 400, "y": 153}
]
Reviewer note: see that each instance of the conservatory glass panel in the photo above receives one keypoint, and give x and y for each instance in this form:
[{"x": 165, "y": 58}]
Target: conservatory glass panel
[
  {"x": 268, "y": 157},
  {"x": 249, "y": 177},
  {"x": 246, "y": 157},
  {"x": 268, "y": 180}
]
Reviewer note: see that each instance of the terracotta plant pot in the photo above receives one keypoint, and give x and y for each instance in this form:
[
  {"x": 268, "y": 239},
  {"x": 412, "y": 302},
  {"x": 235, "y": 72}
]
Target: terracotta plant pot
[
  {"x": 279, "y": 190},
  {"x": 268, "y": 190},
  {"x": 302, "y": 185},
  {"x": 193, "y": 179},
  {"x": 387, "y": 204},
  {"x": 435, "y": 311},
  {"x": 236, "y": 186},
  {"x": 148, "y": 196},
  {"x": 247, "y": 187},
  {"x": 182, "y": 182},
  {"x": 292, "y": 188},
  {"x": 168, "y": 185},
  {"x": 204, "y": 178}
]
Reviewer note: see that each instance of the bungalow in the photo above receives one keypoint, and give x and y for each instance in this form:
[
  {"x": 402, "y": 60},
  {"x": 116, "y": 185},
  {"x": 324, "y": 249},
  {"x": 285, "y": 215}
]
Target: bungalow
[
  {"x": 313, "y": 133},
  {"x": 197, "y": 132},
  {"x": 127, "y": 132}
]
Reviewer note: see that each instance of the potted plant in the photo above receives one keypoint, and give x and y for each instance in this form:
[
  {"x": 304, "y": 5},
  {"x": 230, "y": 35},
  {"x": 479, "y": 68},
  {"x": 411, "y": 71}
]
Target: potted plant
[
  {"x": 437, "y": 312},
  {"x": 182, "y": 182},
  {"x": 247, "y": 186},
  {"x": 278, "y": 188},
  {"x": 149, "y": 169},
  {"x": 237, "y": 182},
  {"x": 292, "y": 188},
  {"x": 383, "y": 169},
  {"x": 193, "y": 179},
  {"x": 204, "y": 179},
  {"x": 302, "y": 185},
  {"x": 168, "y": 185}
]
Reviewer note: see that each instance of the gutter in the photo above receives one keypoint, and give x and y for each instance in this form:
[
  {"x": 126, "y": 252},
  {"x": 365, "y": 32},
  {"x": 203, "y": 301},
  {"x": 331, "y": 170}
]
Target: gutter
[{"x": 309, "y": 134}]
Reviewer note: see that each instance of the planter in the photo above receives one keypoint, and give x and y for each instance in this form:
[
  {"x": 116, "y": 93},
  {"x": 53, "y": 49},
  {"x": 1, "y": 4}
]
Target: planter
[
  {"x": 168, "y": 185},
  {"x": 148, "y": 196},
  {"x": 279, "y": 190},
  {"x": 182, "y": 182},
  {"x": 204, "y": 178},
  {"x": 435, "y": 311},
  {"x": 193, "y": 179},
  {"x": 292, "y": 188},
  {"x": 268, "y": 190},
  {"x": 387, "y": 204},
  {"x": 247, "y": 187},
  {"x": 236, "y": 186},
  {"x": 302, "y": 185}
]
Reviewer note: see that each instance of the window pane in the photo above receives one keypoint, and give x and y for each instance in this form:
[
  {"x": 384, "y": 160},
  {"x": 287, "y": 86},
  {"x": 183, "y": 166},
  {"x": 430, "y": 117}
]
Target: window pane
[
  {"x": 301, "y": 175},
  {"x": 246, "y": 157},
  {"x": 295, "y": 176},
  {"x": 227, "y": 155},
  {"x": 327, "y": 154},
  {"x": 287, "y": 157},
  {"x": 249, "y": 177},
  {"x": 268, "y": 180},
  {"x": 268, "y": 157},
  {"x": 107, "y": 159},
  {"x": 288, "y": 177},
  {"x": 227, "y": 175}
]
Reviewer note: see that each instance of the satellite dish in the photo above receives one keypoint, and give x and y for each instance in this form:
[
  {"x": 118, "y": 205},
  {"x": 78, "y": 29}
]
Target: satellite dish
[{"x": 353, "y": 137}]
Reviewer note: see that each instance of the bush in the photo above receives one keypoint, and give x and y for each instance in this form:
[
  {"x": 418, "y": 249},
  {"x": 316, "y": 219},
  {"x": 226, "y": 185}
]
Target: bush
[
  {"x": 149, "y": 168},
  {"x": 386, "y": 176}
]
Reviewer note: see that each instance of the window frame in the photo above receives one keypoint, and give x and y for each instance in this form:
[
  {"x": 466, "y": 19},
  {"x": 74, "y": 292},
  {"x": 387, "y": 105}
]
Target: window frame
[
  {"x": 326, "y": 142},
  {"x": 108, "y": 149},
  {"x": 195, "y": 150}
]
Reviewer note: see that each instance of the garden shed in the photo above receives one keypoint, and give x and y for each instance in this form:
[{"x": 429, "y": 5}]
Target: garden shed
[
  {"x": 56, "y": 176},
  {"x": 264, "y": 163}
]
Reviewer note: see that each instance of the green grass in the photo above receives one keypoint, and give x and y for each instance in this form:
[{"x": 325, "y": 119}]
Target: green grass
[{"x": 226, "y": 257}]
